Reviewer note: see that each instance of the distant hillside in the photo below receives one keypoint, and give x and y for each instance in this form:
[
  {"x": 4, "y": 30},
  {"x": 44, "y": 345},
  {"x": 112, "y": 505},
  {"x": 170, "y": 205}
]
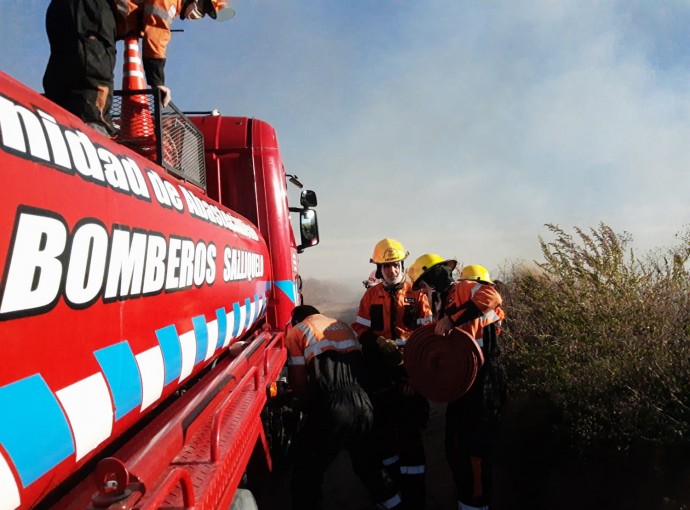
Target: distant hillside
[{"x": 332, "y": 298}]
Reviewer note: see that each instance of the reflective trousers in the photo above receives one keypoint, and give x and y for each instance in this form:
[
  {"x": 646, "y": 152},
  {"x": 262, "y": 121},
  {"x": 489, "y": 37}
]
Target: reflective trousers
[
  {"x": 399, "y": 423},
  {"x": 470, "y": 442}
]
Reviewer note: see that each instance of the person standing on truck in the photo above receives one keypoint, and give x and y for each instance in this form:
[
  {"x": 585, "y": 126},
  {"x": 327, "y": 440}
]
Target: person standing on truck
[
  {"x": 474, "y": 305},
  {"x": 82, "y": 34},
  {"x": 387, "y": 315},
  {"x": 325, "y": 372}
]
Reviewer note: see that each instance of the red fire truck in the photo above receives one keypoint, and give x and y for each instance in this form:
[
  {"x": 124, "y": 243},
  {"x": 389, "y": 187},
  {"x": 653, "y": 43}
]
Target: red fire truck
[{"x": 147, "y": 284}]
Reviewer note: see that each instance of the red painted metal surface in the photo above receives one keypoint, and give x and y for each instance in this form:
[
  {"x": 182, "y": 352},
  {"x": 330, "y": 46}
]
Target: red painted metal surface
[
  {"x": 211, "y": 451},
  {"x": 119, "y": 285},
  {"x": 243, "y": 153}
]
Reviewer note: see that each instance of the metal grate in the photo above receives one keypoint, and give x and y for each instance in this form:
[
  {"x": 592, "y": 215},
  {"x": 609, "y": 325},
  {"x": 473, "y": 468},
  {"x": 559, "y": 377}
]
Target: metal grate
[{"x": 162, "y": 134}]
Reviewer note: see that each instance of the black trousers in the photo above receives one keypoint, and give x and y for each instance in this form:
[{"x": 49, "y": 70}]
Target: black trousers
[
  {"x": 399, "y": 423},
  {"x": 80, "y": 71},
  {"x": 472, "y": 424},
  {"x": 329, "y": 429}
]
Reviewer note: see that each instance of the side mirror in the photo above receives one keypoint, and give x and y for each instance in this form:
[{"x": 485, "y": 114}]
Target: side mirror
[
  {"x": 307, "y": 198},
  {"x": 308, "y": 228}
]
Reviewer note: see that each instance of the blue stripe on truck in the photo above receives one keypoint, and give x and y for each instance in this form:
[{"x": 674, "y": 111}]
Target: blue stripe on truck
[
  {"x": 122, "y": 373},
  {"x": 201, "y": 333},
  {"x": 248, "y": 319},
  {"x": 288, "y": 287},
  {"x": 222, "y": 327},
  {"x": 35, "y": 432},
  {"x": 172, "y": 352},
  {"x": 33, "y": 428},
  {"x": 236, "y": 322}
]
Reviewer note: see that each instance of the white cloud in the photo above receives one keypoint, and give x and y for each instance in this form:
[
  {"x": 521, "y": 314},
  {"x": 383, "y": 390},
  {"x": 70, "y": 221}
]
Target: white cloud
[{"x": 460, "y": 127}]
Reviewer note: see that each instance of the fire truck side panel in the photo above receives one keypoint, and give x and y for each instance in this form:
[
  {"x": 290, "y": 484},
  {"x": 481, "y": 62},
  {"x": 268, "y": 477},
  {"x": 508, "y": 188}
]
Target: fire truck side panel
[
  {"x": 246, "y": 156},
  {"x": 119, "y": 284}
]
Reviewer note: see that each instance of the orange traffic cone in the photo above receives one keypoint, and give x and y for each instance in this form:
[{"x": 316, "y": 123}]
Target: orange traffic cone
[{"x": 137, "y": 127}]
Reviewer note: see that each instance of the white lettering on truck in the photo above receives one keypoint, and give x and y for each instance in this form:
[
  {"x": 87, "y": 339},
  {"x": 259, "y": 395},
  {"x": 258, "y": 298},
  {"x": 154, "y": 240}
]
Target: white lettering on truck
[
  {"x": 23, "y": 133},
  {"x": 46, "y": 261},
  {"x": 86, "y": 268},
  {"x": 36, "y": 136},
  {"x": 32, "y": 277},
  {"x": 209, "y": 212},
  {"x": 165, "y": 192},
  {"x": 241, "y": 264}
]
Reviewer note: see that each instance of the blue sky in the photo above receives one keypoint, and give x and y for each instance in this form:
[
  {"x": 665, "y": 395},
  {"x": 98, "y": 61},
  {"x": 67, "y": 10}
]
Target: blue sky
[{"x": 457, "y": 127}]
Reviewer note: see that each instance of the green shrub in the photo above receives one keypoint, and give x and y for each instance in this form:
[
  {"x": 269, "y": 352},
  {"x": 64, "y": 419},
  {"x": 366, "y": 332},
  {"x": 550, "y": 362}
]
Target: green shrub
[{"x": 604, "y": 335}]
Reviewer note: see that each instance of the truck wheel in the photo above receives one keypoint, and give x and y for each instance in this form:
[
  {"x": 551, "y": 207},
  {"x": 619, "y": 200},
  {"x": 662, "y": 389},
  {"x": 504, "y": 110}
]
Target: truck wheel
[{"x": 243, "y": 500}]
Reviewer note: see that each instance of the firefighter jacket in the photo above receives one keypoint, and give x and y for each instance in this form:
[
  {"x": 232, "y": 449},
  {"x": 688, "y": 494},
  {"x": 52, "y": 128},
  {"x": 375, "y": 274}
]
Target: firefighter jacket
[
  {"x": 472, "y": 306},
  {"x": 329, "y": 350},
  {"x": 391, "y": 312},
  {"x": 149, "y": 20},
  {"x": 471, "y": 420}
]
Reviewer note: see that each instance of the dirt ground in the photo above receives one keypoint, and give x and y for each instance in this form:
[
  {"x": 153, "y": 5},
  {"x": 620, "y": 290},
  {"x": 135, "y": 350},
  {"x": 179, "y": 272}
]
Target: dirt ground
[
  {"x": 344, "y": 491},
  {"x": 535, "y": 470}
]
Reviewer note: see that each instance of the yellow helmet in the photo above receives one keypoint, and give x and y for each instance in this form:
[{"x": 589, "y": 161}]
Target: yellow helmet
[
  {"x": 388, "y": 250},
  {"x": 475, "y": 272},
  {"x": 424, "y": 263}
]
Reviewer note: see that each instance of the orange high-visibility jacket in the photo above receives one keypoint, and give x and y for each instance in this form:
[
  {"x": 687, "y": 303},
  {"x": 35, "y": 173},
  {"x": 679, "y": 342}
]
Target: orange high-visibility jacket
[
  {"x": 149, "y": 20},
  {"x": 472, "y": 306},
  {"x": 392, "y": 313},
  {"x": 317, "y": 334}
]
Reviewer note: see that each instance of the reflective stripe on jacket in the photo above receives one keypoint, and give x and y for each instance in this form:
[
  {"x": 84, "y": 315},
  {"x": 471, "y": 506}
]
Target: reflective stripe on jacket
[
  {"x": 317, "y": 334},
  {"x": 467, "y": 297},
  {"x": 392, "y": 313},
  {"x": 147, "y": 19}
]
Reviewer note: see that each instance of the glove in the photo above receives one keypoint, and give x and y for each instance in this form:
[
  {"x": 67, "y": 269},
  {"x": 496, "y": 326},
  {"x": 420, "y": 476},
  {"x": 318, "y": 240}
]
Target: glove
[
  {"x": 443, "y": 326},
  {"x": 166, "y": 95},
  {"x": 191, "y": 10},
  {"x": 390, "y": 354}
]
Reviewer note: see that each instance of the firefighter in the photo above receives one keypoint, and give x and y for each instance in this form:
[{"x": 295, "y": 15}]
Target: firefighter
[
  {"x": 325, "y": 371},
  {"x": 387, "y": 315},
  {"x": 82, "y": 34},
  {"x": 474, "y": 305}
]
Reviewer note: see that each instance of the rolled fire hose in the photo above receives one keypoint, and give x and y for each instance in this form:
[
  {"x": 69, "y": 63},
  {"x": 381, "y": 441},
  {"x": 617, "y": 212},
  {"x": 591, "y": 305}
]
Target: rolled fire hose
[{"x": 442, "y": 368}]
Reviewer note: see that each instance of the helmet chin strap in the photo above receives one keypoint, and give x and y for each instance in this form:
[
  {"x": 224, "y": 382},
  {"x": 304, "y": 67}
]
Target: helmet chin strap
[
  {"x": 435, "y": 301},
  {"x": 397, "y": 280}
]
